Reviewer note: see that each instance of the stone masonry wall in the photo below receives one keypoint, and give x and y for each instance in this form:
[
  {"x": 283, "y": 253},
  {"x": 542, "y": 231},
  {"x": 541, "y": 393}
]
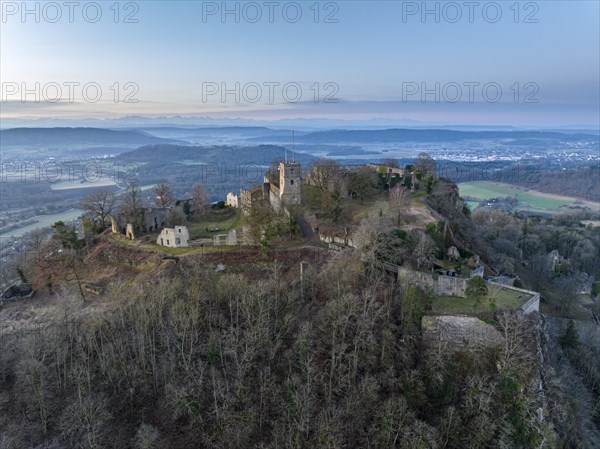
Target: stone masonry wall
[
  {"x": 274, "y": 198},
  {"x": 441, "y": 285},
  {"x": 531, "y": 305},
  {"x": 459, "y": 333}
]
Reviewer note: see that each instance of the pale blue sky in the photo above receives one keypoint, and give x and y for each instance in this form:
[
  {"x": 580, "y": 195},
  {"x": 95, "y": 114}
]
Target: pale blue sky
[{"x": 368, "y": 54}]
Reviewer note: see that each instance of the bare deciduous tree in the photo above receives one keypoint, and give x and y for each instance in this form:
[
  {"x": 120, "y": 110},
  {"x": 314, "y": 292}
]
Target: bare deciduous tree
[
  {"x": 163, "y": 195},
  {"x": 399, "y": 199},
  {"x": 367, "y": 237},
  {"x": 84, "y": 421},
  {"x": 363, "y": 182},
  {"x": 32, "y": 375},
  {"x": 199, "y": 198},
  {"x": 146, "y": 437},
  {"x": 515, "y": 358},
  {"x": 176, "y": 217},
  {"x": 423, "y": 249},
  {"x": 100, "y": 204},
  {"x": 425, "y": 164},
  {"x": 323, "y": 172},
  {"x": 132, "y": 203}
]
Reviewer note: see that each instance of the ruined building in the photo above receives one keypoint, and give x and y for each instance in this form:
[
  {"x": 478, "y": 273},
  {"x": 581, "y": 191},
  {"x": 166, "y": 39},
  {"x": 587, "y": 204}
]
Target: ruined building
[
  {"x": 176, "y": 237},
  {"x": 282, "y": 188},
  {"x": 150, "y": 219},
  {"x": 232, "y": 200}
]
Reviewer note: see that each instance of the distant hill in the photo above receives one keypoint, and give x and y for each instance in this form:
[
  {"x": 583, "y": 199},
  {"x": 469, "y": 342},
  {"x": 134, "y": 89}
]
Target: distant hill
[
  {"x": 231, "y": 155},
  {"x": 221, "y": 169},
  {"x": 424, "y": 135},
  {"x": 216, "y": 135},
  {"x": 75, "y": 136}
]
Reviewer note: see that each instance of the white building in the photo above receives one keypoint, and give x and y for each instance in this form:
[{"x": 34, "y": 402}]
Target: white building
[
  {"x": 232, "y": 200},
  {"x": 176, "y": 237}
]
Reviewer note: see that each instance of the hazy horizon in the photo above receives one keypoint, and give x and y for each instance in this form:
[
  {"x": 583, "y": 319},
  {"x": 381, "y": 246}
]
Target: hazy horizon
[{"x": 518, "y": 64}]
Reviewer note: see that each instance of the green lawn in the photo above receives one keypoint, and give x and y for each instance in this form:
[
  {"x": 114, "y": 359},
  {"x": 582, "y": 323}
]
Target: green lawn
[
  {"x": 122, "y": 240},
  {"x": 223, "y": 219},
  {"x": 528, "y": 199},
  {"x": 504, "y": 298}
]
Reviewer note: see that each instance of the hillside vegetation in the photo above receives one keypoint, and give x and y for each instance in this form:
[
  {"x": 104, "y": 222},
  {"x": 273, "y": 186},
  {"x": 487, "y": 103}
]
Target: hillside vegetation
[
  {"x": 198, "y": 359},
  {"x": 128, "y": 346}
]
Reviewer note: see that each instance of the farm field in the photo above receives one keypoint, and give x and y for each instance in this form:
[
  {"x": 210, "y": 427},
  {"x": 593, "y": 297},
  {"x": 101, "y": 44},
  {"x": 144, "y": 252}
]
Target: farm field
[
  {"x": 529, "y": 200},
  {"x": 76, "y": 184}
]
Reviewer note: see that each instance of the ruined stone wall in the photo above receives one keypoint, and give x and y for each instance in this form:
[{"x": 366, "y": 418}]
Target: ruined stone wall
[
  {"x": 533, "y": 305},
  {"x": 245, "y": 201},
  {"x": 451, "y": 286},
  {"x": 129, "y": 232},
  {"x": 441, "y": 285},
  {"x": 232, "y": 200},
  {"x": 155, "y": 217},
  {"x": 459, "y": 333},
  {"x": 347, "y": 241},
  {"x": 274, "y": 199},
  {"x": 229, "y": 239}
]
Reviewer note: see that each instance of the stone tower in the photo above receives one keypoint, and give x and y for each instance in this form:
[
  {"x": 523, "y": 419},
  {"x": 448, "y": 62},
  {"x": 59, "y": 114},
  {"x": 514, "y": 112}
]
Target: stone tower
[{"x": 289, "y": 182}]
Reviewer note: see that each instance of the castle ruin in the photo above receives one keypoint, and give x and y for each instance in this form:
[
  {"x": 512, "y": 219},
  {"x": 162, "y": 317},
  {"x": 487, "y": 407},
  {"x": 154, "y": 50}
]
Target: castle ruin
[
  {"x": 176, "y": 237},
  {"x": 283, "y": 188}
]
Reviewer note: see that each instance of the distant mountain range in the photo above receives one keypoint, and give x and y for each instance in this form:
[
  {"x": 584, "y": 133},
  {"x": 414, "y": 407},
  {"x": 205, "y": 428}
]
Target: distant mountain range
[
  {"x": 50, "y": 137},
  {"x": 299, "y": 124},
  {"x": 242, "y": 132},
  {"x": 252, "y": 136},
  {"x": 197, "y": 121},
  {"x": 421, "y": 135}
]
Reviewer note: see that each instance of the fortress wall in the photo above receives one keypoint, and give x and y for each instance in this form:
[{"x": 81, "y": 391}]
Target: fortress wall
[
  {"x": 459, "y": 333},
  {"x": 337, "y": 240},
  {"x": 441, "y": 285},
  {"x": 532, "y": 304},
  {"x": 274, "y": 199}
]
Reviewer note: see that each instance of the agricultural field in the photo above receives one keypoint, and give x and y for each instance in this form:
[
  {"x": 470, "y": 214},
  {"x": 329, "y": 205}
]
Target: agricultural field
[
  {"x": 67, "y": 185},
  {"x": 528, "y": 200}
]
